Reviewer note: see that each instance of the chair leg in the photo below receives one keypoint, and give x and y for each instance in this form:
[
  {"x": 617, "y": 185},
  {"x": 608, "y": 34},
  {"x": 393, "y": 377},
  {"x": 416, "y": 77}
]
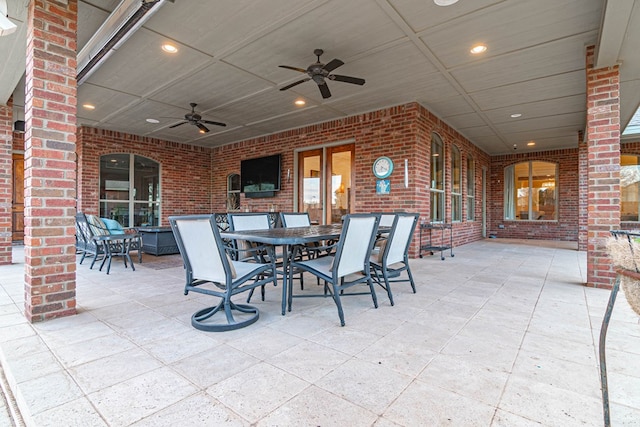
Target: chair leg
[
  {"x": 413, "y": 285},
  {"x": 373, "y": 292},
  {"x": 387, "y": 285},
  {"x": 198, "y": 318},
  {"x": 336, "y": 298}
]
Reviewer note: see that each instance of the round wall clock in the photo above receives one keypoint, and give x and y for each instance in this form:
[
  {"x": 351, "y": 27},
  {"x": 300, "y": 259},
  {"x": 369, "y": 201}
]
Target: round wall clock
[{"x": 382, "y": 167}]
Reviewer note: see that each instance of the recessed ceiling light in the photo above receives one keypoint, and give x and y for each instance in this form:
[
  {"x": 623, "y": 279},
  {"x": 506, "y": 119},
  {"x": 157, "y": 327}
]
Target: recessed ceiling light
[
  {"x": 531, "y": 143},
  {"x": 515, "y": 115},
  {"x": 154, "y": 121},
  {"x": 202, "y": 131},
  {"x": 300, "y": 102},
  {"x": 445, "y": 2},
  {"x": 89, "y": 106},
  {"x": 169, "y": 48},
  {"x": 479, "y": 48}
]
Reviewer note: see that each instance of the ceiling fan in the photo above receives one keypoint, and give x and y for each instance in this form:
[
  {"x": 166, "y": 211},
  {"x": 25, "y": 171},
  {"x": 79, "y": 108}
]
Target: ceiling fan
[
  {"x": 319, "y": 72},
  {"x": 195, "y": 119}
]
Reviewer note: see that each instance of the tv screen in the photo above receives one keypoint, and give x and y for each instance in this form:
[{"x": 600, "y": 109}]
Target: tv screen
[{"x": 260, "y": 175}]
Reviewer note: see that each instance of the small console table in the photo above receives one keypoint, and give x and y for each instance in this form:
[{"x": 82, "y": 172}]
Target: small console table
[
  {"x": 158, "y": 240},
  {"x": 431, "y": 246}
]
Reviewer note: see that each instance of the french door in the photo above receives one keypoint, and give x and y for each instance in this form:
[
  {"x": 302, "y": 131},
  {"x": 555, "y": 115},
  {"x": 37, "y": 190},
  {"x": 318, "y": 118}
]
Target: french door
[{"x": 325, "y": 177}]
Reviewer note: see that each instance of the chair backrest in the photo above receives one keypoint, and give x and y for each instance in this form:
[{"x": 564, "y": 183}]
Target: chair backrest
[
  {"x": 399, "y": 238},
  {"x": 295, "y": 219},
  {"x": 201, "y": 248},
  {"x": 355, "y": 244},
  {"x": 386, "y": 219},
  {"x": 249, "y": 221}
]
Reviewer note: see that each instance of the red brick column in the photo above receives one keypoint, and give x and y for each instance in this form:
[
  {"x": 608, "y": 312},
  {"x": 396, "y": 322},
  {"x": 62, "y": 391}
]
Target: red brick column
[
  {"x": 50, "y": 168},
  {"x": 603, "y": 169},
  {"x": 6, "y": 131},
  {"x": 583, "y": 193}
]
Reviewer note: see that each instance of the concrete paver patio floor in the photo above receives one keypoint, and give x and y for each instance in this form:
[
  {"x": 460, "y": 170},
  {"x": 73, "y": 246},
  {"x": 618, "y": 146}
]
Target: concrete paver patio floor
[{"x": 503, "y": 334}]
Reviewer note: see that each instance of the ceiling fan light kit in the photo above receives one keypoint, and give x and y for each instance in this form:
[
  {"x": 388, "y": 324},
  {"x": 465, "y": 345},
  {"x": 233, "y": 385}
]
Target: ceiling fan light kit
[{"x": 319, "y": 73}]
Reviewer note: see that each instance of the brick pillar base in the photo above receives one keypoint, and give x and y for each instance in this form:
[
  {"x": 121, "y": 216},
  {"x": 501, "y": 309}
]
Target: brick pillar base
[
  {"x": 603, "y": 169},
  {"x": 50, "y": 169}
]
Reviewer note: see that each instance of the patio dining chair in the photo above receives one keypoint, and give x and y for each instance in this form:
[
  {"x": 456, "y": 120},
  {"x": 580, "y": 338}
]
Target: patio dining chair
[
  {"x": 350, "y": 264},
  {"x": 209, "y": 270},
  {"x": 247, "y": 251},
  {"x": 393, "y": 256}
]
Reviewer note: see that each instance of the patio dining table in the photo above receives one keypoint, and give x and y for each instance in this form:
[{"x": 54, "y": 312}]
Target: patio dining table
[{"x": 286, "y": 237}]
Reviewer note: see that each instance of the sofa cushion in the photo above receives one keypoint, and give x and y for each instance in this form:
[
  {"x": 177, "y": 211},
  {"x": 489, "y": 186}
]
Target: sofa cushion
[{"x": 113, "y": 226}]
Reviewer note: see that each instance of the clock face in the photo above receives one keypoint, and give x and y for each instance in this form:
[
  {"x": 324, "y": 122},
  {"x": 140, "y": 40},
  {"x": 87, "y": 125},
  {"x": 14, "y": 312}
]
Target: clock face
[{"x": 382, "y": 167}]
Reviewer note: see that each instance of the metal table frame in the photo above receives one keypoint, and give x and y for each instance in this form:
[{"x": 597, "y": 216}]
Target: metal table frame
[{"x": 286, "y": 237}]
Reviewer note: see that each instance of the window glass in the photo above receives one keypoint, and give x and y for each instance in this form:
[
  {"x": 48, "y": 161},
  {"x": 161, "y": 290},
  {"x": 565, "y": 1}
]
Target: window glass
[
  {"x": 130, "y": 189},
  {"x": 629, "y": 187},
  {"x": 471, "y": 189},
  {"x": 456, "y": 184},
  {"x": 233, "y": 192},
  {"x": 530, "y": 191},
  {"x": 437, "y": 179}
]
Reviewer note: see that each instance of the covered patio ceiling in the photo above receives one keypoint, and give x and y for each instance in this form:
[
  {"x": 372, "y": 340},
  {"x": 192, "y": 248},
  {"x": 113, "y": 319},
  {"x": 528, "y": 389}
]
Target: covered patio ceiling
[{"x": 406, "y": 50}]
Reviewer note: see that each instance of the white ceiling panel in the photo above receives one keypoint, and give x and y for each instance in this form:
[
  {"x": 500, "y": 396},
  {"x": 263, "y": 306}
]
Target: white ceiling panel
[
  {"x": 553, "y": 58},
  {"x": 210, "y": 87},
  {"x": 140, "y": 66},
  {"x": 568, "y": 104},
  {"x": 106, "y": 101},
  {"x": 551, "y": 87},
  {"x": 511, "y": 26},
  {"x": 448, "y": 106},
  {"x": 421, "y": 15},
  {"x": 464, "y": 121},
  {"x": 574, "y": 120}
]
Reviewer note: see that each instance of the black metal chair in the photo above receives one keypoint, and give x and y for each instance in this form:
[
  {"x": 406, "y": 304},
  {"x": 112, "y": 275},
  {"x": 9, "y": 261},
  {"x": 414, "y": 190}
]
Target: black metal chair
[
  {"x": 393, "y": 257},
  {"x": 86, "y": 244},
  {"x": 350, "y": 265},
  {"x": 211, "y": 271}
]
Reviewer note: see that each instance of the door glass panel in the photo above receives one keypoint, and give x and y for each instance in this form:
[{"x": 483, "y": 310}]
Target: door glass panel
[
  {"x": 310, "y": 185},
  {"x": 340, "y": 184}
]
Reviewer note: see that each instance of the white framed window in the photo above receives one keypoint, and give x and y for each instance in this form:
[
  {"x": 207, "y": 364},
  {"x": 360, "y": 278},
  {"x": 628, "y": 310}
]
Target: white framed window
[
  {"x": 437, "y": 179},
  {"x": 456, "y": 184},
  {"x": 130, "y": 189},
  {"x": 530, "y": 191},
  {"x": 233, "y": 192},
  {"x": 471, "y": 189},
  {"x": 629, "y": 187}
]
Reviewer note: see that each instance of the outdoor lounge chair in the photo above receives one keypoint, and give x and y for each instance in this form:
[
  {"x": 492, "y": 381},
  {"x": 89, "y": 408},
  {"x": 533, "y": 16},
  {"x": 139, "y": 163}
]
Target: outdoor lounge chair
[
  {"x": 393, "y": 256},
  {"x": 210, "y": 271},
  {"x": 350, "y": 265}
]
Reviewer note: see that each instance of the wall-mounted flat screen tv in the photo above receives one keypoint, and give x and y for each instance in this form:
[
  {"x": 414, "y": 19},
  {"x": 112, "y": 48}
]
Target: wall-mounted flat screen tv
[{"x": 260, "y": 177}]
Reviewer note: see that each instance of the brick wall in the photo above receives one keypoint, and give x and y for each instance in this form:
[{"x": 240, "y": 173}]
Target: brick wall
[
  {"x": 566, "y": 228},
  {"x": 185, "y": 182},
  {"x": 401, "y": 132}
]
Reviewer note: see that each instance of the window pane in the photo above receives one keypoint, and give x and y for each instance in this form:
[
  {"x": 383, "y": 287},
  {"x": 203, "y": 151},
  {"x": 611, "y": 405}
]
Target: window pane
[
  {"x": 522, "y": 190},
  {"x": 146, "y": 178},
  {"x": 543, "y": 183},
  {"x": 437, "y": 170},
  {"x": 114, "y": 177},
  {"x": 437, "y": 206},
  {"x": 471, "y": 188},
  {"x": 629, "y": 187},
  {"x": 456, "y": 171},
  {"x": 116, "y": 210},
  {"x": 146, "y": 214},
  {"x": 456, "y": 207}
]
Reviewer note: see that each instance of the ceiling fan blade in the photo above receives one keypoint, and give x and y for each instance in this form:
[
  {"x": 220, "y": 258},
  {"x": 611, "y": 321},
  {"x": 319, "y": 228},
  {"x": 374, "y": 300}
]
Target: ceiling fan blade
[
  {"x": 203, "y": 128},
  {"x": 177, "y": 124},
  {"x": 302, "y": 70},
  {"x": 346, "y": 79},
  {"x": 335, "y": 63},
  {"x": 295, "y": 83},
  {"x": 324, "y": 90},
  {"x": 213, "y": 123}
]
